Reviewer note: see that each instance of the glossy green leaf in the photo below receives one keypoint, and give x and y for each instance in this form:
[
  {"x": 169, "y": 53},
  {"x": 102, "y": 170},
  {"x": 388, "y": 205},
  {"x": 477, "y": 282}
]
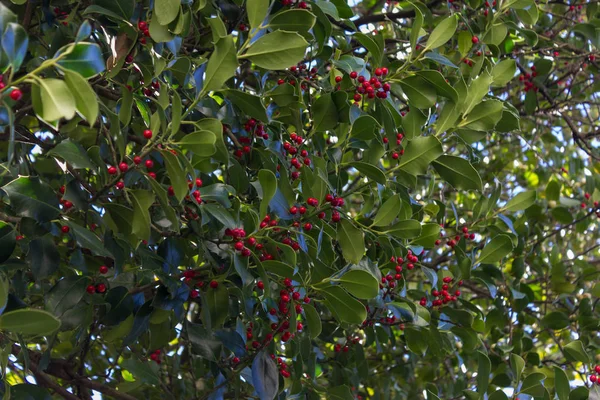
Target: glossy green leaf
[
  {"x": 52, "y": 100},
  {"x": 370, "y": 171},
  {"x": 419, "y": 153},
  {"x": 72, "y": 153},
  {"x": 521, "y": 201},
  {"x": 176, "y": 175},
  {"x": 83, "y": 58},
  {"x": 359, "y": 283},
  {"x": 29, "y": 322},
  {"x": 388, "y": 211},
  {"x": 345, "y": 307},
  {"x": 498, "y": 248},
  {"x": 249, "y": 104},
  {"x": 268, "y": 183},
  {"x": 442, "y": 33},
  {"x": 86, "y": 102},
  {"x": 257, "y": 12},
  {"x": 458, "y": 172},
  {"x": 142, "y": 200},
  {"x": 294, "y": 20},
  {"x": 221, "y": 65},
  {"x": 351, "y": 240},
  {"x": 313, "y": 320},
  {"x": 166, "y": 10},
  {"x": 277, "y": 50},
  {"x": 202, "y": 143},
  {"x": 32, "y": 198}
]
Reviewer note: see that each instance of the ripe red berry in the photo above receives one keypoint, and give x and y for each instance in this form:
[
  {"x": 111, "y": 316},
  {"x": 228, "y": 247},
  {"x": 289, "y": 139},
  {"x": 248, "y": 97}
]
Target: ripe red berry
[
  {"x": 312, "y": 202},
  {"x": 149, "y": 164},
  {"x": 260, "y": 285},
  {"x": 475, "y": 39},
  {"x": 307, "y": 226},
  {"x": 338, "y": 79},
  {"x": 214, "y": 284},
  {"x": 123, "y": 167},
  {"x": 239, "y": 246},
  {"x": 148, "y": 134},
  {"x": 112, "y": 170},
  {"x": 65, "y": 229},
  {"x": 142, "y": 25},
  {"x": 286, "y": 336},
  {"x": 194, "y": 294},
  {"x": 101, "y": 288},
  {"x": 103, "y": 269},
  {"x": 353, "y": 74},
  {"x": 597, "y": 369},
  {"x": 137, "y": 160},
  {"x": 91, "y": 289},
  {"x": 235, "y": 360},
  {"x": 16, "y": 94}
]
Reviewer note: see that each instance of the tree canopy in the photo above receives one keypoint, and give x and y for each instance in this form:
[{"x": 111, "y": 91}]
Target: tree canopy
[{"x": 288, "y": 199}]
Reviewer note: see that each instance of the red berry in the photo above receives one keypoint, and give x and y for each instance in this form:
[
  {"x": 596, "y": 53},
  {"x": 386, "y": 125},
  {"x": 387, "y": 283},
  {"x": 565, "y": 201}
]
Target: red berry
[
  {"x": 142, "y": 25},
  {"x": 239, "y": 246},
  {"x": 65, "y": 229},
  {"x": 147, "y": 133},
  {"x": 235, "y": 360},
  {"x": 593, "y": 378},
  {"x": 194, "y": 294},
  {"x": 123, "y": 167},
  {"x": 475, "y": 39},
  {"x": 101, "y": 288},
  {"x": 353, "y": 74},
  {"x": 16, "y": 94},
  {"x": 338, "y": 79},
  {"x": 214, "y": 284},
  {"x": 260, "y": 285},
  {"x": 103, "y": 269},
  {"x": 112, "y": 170},
  {"x": 307, "y": 226},
  {"x": 149, "y": 164},
  {"x": 91, "y": 289},
  {"x": 137, "y": 160}
]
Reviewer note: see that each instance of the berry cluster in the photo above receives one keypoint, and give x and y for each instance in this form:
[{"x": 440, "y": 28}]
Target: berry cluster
[
  {"x": 155, "y": 356},
  {"x": 99, "y": 288},
  {"x": 454, "y": 241},
  {"x": 370, "y": 88},
  {"x": 443, "y": 296},
  {"x": 66, "y": 204},
  {"x": 145, "y": 32},
  {"x": 292, "y": 3},
  {"x": 527, "y": 79}
]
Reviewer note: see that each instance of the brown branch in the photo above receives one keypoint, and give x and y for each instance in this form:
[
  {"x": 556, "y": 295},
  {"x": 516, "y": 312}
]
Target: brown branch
[
  {"x": 28, "y": 14},
  {"x": 45, "y": 380}
]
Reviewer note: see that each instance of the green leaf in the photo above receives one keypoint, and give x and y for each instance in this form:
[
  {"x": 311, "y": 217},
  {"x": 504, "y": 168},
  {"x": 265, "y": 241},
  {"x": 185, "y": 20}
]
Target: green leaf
[
  {"x": 86, "y": 102},
  {"x": 556, "y": 320},
  {"x": 521, "y": 201},
  {"x": 351, "y": 240},
  {"x": 72, "y": 153},
  {"x": 439, "y": 83},
  {"x": 388, "y": 211},
  {"x": 483, "y": 373},
  {"x": 340, "y": 393},
  {"x": 217, "y": 301},
  {"x": 415, "y": 31},
  {"x": 498, "y": 395},
  {"x": 484, "y": 116},
  {"x": 166, "y": 11},
  {"x": 406, "y": 229},
  {"x": 447, "y": 118},
  {"x": 416, "y": 339},
  {"x": 372, "y": 47},
  {"x": 420, "y": 92},
  {"x": 465, "y": 42},
  {"x": 220, "y": 213},
  {"x": 412, "y": 123},
  {"x": 66, "y": 294},
  {"x": 31, "y": 198},
  {"x": 14, "y": 44},
  {"x": 29, "y": 322},
  {"x": 419, "y": 153},
  {"x": 294, "y": 20},
  {"x": 477, "y": 90},
  {"x": 84, "y": 58},
  {"x": 277, "y": 50},
  {"x": 561, "y": 383},
  {"x": 265, "y": 378},
  {"x": 365, "y": 127},
  {"x": 576, "y": 351},
  {"x": 504, "y": 72},
  {"x": 268, "y": 183},
  {"x": 496, "y": 34},
  {"x": 125, "y": 107},
  {"x": 345, "y": 307},
  {"x": 458, "y": 172},
  {"x": 202, "y": 143},
  {"x": 4, "y": 289},
  {"x": 361, "y": 284},
  {"x": 249, "y": 104},
  {"x": 176, "y": 174},
  {"x": 429, "y": 234},
  {"x": 517, "y": 364},
  {"x": 43, "y": 257},
  {"x": 279, "y": 268},
  {"x": 160, "y": 33},
  {"x": 142, "y": 201},
  {"x": 257, "y": 12},
  {"x": 369, "y": 170},
  {"x": 313, "y": 320},
  {"x": 442, "y": 33},
  {"x": 553, "y": 189},
  {"x": 88, "y": 240},
  {"x": 52, "y": 100},
  {"x": 141, "y": 371},
  {"x": 532, "y": 384},
  {"x": 499, "y": 247},
  {"x": 221, "y": 65},
  {"x": 325, "y": 114}
]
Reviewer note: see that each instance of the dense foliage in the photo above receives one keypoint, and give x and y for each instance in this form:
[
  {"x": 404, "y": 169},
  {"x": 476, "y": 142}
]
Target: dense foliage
[{"x": 299, "y": 199}]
